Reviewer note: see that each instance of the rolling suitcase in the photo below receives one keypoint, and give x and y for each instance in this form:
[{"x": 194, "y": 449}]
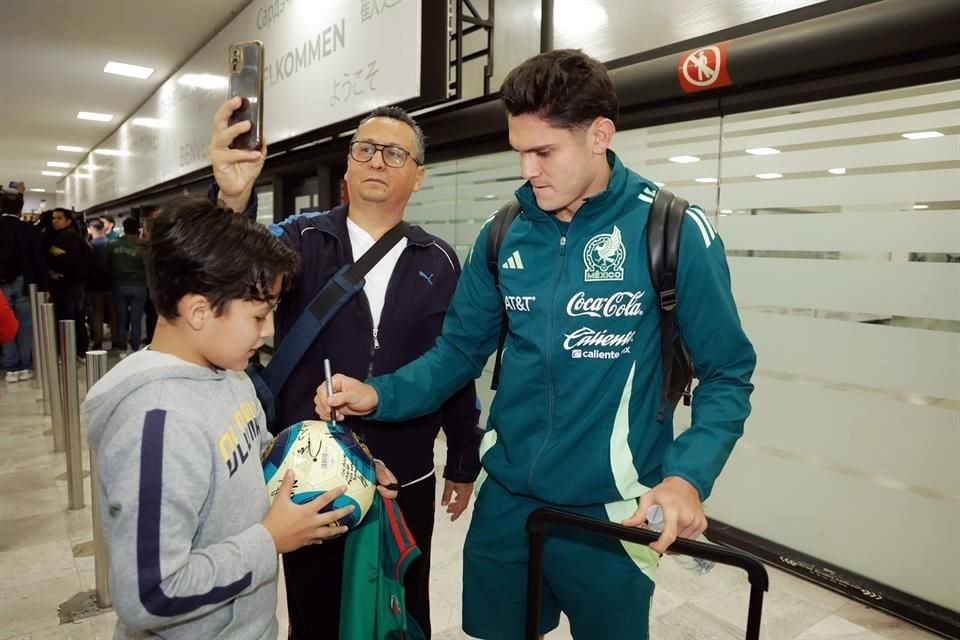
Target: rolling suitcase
[{"x": 542, "y": 521}]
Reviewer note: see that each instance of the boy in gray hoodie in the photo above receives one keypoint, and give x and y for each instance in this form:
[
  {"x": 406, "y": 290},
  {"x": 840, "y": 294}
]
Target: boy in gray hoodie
[{"x": 178, "y": 432}]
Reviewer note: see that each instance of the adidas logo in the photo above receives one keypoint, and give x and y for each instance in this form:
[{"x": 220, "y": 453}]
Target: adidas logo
[{"x": 513, "y": 262}]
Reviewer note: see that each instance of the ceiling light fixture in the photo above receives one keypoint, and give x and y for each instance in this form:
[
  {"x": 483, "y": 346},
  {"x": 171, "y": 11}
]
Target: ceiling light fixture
[
  {"x": 52, "y": 174},
  {"x": 61, "y": 165},
  {"x": 707, "y": 180},
  {"x": 38, "y": 190},
  {"x": 922, "y": 135},
  {"x": 769, "y": 176},
  {"x": 96, "y": 117},
  {"x": 837, "y": 171},
  {"x": 111, "y": 152},
  {"x": 64, "y": 147},
  {"x": 129, "y": 70},
  {"x": 763, "y": 151},
  {"x": 921, "y": 206},
  {"x": 684, "y": 159}
]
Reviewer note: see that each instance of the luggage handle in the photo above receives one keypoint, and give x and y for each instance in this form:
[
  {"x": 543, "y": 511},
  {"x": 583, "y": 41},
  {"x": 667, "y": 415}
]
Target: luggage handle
[{"x": 542, "y": 521}]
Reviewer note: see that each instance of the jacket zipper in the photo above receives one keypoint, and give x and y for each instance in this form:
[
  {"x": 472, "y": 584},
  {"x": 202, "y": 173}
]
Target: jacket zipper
[
  {"x": 549, "y": 351},
  {"x": 374, "y": 347}
]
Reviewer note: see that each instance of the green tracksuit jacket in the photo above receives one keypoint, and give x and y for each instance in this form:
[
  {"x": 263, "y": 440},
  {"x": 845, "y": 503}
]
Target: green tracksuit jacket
[{"x": 574, "y": 420}]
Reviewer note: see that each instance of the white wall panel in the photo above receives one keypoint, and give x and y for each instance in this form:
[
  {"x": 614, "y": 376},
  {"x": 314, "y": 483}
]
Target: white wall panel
[
  {"x": 926, "y": 290},
  {"x": 869, "y": 433},
  {"x": 891, "y": 536},
  {"x": 895, "y": 359},
  {"x": 922, "y": 232}
]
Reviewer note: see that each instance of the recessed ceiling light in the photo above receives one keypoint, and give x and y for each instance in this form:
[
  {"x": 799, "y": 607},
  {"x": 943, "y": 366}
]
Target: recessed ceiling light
[
  {"x": 726, "y": 210},
  {"x": 98, "y": 117},
  {"x": 129, "y": 70},
  {"x": 64, "y": 147},
  {"x": 921, "y": 206},
  {"x": 153, "y": 123},
  {"x": 52, "y": 174},
  {"x": 763, "y": 151},
  {"x": 60, "y": 191},
  {"x": 922, "y": 135},
  {"x": 769, "y": 176},
  {"x": 684, "y": 159},
  {"x": 111, "y": 152},
  {"x": 62, "y": 165},
  {"x": 39, "y": 190},
  {"x": 837, "y": 171},
  {"x": 203, "y": 81},
  {"x": 707, "y": 180}
]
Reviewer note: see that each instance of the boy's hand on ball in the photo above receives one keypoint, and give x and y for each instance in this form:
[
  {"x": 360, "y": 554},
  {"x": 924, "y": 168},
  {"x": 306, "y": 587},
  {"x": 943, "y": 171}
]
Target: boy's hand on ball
[
  {"x": 350, "y": 398},
  {"x": 294, "y": 525}
]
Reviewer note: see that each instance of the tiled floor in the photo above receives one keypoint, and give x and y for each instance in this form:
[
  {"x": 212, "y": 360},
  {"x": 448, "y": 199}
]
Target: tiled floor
[{"x": 45, "y": 559}]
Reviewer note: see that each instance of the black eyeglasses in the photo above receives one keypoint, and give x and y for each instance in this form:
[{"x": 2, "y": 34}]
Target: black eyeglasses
[{"x": 393, "y": 156}]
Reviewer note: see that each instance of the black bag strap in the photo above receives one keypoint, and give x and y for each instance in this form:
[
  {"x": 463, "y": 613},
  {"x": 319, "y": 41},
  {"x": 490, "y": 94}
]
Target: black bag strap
[
  {"x": 663, "y": 250},
  {"x": 346, "y": 283},
  {"x": 502, "y": 220}
]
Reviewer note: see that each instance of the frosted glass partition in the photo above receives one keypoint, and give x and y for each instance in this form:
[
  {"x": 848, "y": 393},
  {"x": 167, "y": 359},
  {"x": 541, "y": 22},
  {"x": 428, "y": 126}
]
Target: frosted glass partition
[
  {"x": 843, "y": 238},
  {"x": 847, "y": 274}
]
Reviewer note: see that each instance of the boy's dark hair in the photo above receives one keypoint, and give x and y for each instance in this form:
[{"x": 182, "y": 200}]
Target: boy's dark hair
[
  {"x": 396, "y": 113},
  {"x": 96, "y": 224},
  {"x": 131, "y": 226},
  {"x": 197, "y": 247},
  {"x": 565, "y": 87},
  {"x": 108, "y": 217}
]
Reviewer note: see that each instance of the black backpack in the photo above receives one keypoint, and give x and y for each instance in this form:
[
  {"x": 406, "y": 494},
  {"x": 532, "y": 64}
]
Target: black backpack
[
  {"x": 10, "y": 264},
  {"x": 663, "y": 251}
]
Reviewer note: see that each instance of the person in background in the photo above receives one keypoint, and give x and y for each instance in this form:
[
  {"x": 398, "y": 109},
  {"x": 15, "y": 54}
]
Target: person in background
[
  {"x": 69, "y": 260},
  {"x": 21, "y": 264},
  {"x": 128, "y": 276},
  {"x": 100, "y": 304},
  {"x": 109, "y": 227}
]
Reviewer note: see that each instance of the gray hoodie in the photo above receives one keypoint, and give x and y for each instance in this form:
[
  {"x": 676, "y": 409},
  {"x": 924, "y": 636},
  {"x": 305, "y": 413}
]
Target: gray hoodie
[{"x": 182, "y": 496}]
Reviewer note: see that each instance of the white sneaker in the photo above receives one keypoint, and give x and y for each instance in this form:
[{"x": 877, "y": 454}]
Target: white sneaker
[
  {"x": 13, "y": 376},
  {"x": 26, "y": 374}
]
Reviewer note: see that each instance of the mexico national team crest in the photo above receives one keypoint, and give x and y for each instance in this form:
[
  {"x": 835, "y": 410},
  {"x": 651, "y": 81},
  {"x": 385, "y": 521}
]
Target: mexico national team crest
[{"x": 603, "y": 257}]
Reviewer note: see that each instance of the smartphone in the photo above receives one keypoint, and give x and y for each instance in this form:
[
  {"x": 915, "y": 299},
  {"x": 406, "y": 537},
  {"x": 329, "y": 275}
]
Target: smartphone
[
  {"x": 246, "y": 81},
  {"x": 14, "y": 184}
]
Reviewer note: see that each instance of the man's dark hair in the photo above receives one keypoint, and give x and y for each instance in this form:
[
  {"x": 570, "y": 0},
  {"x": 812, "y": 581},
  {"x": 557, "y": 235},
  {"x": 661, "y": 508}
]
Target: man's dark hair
[
  {"x": 131, "y": 226},
  {"x": 565, "y": 87},
  {"x": 11, "y": 202},
  {"x": 96, "y": 224},
  {"x": 108, "y": 217},
  {"x": 396, "y": 113},
  {"x": 197, "y": 247}
]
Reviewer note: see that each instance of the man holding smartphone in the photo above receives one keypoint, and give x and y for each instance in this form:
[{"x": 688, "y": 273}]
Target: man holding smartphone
[{"x": 394, "y": 320}]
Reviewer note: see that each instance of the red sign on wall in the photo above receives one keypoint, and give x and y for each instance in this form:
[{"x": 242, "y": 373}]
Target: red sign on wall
[{"x": 704, "y": 69}]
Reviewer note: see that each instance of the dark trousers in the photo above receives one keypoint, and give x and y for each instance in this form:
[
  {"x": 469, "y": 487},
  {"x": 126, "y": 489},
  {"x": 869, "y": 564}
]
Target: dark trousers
[
  {"x": 314, "y": 574},
  {"x": 69, "y": 304}
]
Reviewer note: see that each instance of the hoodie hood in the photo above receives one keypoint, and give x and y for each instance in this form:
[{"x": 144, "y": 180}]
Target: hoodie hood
[{"x": 135, "y": 372}]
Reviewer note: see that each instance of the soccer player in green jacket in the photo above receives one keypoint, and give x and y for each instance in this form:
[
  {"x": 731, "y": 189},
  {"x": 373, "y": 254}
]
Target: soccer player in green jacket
[{"x": 574, "y": 422}]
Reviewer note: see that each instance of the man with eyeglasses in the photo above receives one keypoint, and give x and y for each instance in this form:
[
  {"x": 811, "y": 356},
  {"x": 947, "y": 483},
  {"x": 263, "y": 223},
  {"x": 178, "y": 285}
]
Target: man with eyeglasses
[{"x": 396, "y": 319}]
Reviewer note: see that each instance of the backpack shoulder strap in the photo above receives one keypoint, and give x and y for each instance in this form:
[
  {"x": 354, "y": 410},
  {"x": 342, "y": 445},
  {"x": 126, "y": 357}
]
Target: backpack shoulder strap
[
  {"x": 502, "y": 220},
  {"x": 344, "y": 284},
  {"x": 663, "y": 251}
]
